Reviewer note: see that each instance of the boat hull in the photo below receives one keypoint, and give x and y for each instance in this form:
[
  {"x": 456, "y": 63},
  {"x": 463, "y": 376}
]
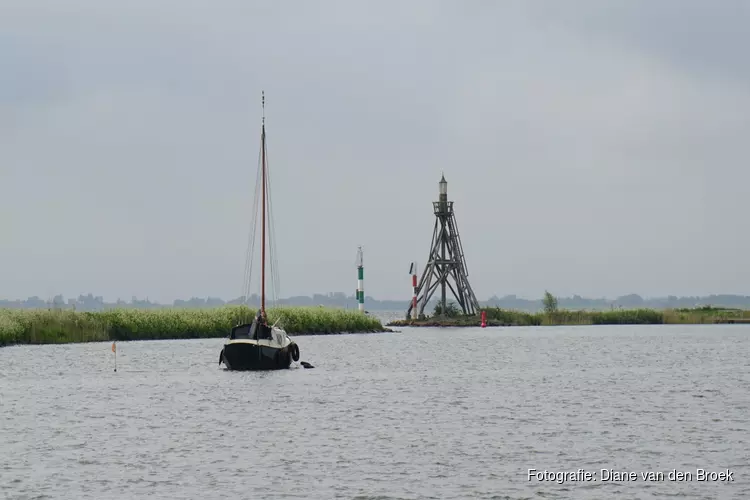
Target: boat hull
[{"x": 252, "y": 356}]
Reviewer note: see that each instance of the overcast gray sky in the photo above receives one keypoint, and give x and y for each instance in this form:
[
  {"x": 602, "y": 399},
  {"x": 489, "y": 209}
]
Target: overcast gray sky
[{"x": 591, "y": 147}]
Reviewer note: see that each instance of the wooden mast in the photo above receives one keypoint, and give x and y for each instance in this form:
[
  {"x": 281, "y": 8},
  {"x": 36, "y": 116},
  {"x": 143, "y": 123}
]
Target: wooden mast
[{"x": 263, "y": 230}]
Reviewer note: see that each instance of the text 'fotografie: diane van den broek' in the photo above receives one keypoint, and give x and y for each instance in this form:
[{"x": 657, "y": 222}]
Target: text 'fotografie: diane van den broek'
[{"x": 582, "y": 475}]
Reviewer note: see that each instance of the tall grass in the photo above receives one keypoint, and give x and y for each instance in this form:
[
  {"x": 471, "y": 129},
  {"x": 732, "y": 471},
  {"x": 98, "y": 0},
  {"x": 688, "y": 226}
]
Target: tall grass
[
  {"x": 39, "y": 326},
  {"x": 497, "y": 316}
]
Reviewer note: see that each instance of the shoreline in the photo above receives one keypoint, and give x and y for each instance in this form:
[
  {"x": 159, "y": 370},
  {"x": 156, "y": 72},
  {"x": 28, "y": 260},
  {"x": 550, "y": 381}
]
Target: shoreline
[
  {"x": 59, "y": 326},
  {"x": 56, "y": 326},
  {"x": 496, "y": 317}
]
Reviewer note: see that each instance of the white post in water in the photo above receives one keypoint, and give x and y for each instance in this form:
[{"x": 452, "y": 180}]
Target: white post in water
[
  {"x": 360, "y": 280},
  {"x": 114, "y": 350}
]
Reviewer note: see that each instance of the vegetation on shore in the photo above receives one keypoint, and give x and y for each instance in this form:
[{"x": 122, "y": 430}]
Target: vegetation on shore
[
  {"x": 553, "y": 316},
  {"x": 49, "y": 326}
]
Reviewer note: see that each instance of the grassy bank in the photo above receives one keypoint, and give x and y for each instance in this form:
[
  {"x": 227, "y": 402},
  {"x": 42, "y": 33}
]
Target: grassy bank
[
  {"x": 504, "y": 317},
  {"x": 42, "y": 326}
]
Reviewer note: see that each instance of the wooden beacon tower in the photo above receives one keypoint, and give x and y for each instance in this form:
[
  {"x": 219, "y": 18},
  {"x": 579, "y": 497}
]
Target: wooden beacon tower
[{"x": 446, "y": 265}]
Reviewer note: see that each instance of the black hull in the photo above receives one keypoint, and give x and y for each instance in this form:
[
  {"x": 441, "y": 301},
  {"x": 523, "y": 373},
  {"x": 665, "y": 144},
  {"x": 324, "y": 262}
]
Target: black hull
[{"x": 245, "y": 356}]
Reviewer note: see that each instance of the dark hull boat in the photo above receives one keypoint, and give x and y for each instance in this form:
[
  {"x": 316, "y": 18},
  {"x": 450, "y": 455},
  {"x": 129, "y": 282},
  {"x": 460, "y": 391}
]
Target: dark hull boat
[{"x": 257, "y": 346}]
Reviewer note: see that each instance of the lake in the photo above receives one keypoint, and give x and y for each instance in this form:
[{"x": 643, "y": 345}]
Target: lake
[{"x": 417, "y": 414}]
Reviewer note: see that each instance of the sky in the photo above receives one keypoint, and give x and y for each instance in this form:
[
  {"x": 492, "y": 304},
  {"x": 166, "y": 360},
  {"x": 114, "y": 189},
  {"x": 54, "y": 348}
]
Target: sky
[{"x": 591, "y": 148}]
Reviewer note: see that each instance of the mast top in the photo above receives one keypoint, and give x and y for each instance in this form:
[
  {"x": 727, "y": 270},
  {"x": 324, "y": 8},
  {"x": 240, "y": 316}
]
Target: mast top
[{"x": 263, "y": 105}]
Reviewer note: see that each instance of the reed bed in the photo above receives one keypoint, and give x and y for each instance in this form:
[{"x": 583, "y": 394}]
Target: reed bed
[
  {"x": 505, "y": 317},
  {"x": 43, "y": 326}
]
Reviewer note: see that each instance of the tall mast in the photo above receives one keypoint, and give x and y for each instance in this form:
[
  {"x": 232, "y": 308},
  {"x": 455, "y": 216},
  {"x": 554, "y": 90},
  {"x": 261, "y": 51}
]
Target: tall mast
[{"x": 263, "y": 230}]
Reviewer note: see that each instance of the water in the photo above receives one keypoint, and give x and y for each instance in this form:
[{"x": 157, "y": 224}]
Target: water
[{"x": 424, "y": 413}]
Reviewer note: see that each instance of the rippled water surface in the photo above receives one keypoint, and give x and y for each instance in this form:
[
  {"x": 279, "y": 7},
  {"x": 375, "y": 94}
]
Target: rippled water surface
[{"x": 422, "y": 413}]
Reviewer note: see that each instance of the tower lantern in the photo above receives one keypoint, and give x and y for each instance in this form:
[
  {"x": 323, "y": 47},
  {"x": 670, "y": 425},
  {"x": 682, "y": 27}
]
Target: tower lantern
[{"x": 443, "y": 198}]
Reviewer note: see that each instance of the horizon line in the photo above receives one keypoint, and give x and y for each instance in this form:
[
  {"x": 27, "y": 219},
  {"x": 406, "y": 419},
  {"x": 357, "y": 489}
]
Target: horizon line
[{"x": 332, "y": 295}]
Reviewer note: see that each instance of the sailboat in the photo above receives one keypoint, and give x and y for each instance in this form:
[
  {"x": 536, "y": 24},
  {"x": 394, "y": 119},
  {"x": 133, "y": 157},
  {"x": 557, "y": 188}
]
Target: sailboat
[{"x": 258, "y": 345}]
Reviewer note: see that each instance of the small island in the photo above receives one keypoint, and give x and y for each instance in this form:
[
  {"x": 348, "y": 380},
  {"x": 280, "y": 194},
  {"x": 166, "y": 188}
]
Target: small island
[
  {"x": 552, "y": 315},
  {"x": 52, "y": 326}
]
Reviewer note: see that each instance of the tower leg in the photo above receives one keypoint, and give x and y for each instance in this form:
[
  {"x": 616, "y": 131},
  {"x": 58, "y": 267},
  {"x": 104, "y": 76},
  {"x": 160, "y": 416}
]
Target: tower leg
[
  {"x": 442, "y": 270},
  {"x": 414, "y": 295}
]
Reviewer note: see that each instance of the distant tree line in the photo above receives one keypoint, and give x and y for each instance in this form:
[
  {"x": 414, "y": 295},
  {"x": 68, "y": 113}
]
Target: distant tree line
[{"x": 339, "y": 299}]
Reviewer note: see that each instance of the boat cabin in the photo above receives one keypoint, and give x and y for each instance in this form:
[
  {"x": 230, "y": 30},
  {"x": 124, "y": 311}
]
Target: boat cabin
[{"x": 252, "y": 331}]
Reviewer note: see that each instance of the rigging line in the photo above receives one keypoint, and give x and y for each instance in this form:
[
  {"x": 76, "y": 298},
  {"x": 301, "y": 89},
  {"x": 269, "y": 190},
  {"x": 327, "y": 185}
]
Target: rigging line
[
  {"x": 271, "y": 242},
  {"x": 271, "y": 263},
  {"x": 275, "y": 254},
  {"x": 258, "y": 199},
  {"x": 272, "y": 247},
  {"x": 251, "y": 242},
  {"x": 252, "y": 253},
  {"x": 252, "y": 226},
  {"x": 251, "y": 245},
  {"x": 269, "y": 227},
  {"x": 275, "y": 278},
  {"x": 277, "y": 268},
  {"x": 269, "y": 233}
]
